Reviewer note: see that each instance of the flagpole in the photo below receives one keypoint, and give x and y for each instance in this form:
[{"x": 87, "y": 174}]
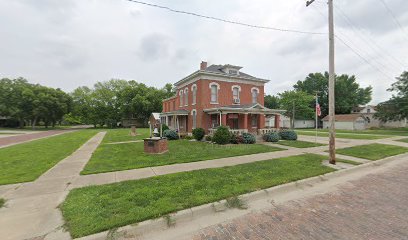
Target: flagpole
[{"x": 316, "y": 117}]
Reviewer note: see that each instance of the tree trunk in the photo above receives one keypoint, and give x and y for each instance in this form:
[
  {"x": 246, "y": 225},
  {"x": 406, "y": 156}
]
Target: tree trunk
[
  {"x": 21, "y": 123},
  {"x": 34, "y": 123}
]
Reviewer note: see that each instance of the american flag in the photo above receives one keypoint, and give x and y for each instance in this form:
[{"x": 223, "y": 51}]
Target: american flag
[{"x": 318, "y": 110}]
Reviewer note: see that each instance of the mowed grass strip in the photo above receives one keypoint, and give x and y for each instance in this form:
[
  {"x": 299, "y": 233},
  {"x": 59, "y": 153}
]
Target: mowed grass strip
[
  {"x": 27, "y": 161},
  {"x": 98, "y": 208},
  {"x": 405, "y": 140},
  {"x": 380, "y": 131},
  {"x": 108, "y": 158},
  {"x": 300, "y": 144},
  {"x": 2, "y": 202},
  {"x": 343, "y": 135},
  {"x": 373, "y": 151},
  {"x": 123, "y": 135}
]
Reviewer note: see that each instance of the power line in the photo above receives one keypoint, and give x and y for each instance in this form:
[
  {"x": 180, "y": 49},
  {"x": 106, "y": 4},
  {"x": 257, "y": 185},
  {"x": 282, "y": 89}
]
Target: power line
[
  {"x": 226, "y": 21},
  {"x": 395, "y": 18},
  {"x": 371, "y": 43}
]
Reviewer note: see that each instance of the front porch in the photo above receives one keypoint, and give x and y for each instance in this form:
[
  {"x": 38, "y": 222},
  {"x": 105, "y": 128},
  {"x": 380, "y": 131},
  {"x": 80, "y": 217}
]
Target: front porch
[
  {"x": 177, "y": 120},
  {"x": 242, "y": 119}
]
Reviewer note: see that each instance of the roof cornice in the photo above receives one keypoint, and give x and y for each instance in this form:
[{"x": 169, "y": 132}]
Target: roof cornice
[{"x": 227, "y": 76}]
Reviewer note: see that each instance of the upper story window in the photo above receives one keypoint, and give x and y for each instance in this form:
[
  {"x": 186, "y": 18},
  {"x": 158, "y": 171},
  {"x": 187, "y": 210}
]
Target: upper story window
[
  {"x": 214, "y": 87},
  {"x": 194, "y": 91},
  {"x": 181, "y": 94},
  {"x": 186, "y": 97},
  {"x": 194, "y": 113},
  {"x": 235, "y": 93},
  {"x": 255, "y": 93}
]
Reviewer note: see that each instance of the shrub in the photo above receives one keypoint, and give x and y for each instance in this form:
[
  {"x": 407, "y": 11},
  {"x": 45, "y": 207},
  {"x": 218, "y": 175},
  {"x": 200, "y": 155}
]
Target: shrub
[
  {"x": 234, "y": 139},
  {"x": 288, "y": 135},
  {"x": 187, "y": 137},
  {"x": 198, "y": 134},
  {"x": 271, "y": 137},
  {"x": 208, "y": 138},
  {"x": 165, "y": 127},
  {"x": 248, "y": 138},
  {"x": 170, "y": 135},
  {"x": 222, "y": 135}
]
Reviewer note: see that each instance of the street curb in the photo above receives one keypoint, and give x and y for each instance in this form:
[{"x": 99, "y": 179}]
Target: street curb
[{"x": 187, "y": 215}]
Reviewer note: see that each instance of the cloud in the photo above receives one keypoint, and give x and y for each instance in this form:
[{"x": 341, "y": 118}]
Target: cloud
[{"x": 74, "y": 42}]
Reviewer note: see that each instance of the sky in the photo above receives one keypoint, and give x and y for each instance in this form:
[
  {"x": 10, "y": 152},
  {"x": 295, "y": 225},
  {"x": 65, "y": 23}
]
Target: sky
[{"x": 70, "y": 43}]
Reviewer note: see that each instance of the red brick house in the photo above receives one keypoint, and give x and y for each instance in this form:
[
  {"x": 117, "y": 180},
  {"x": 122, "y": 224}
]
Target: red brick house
[{"x": 218, "y": 95}]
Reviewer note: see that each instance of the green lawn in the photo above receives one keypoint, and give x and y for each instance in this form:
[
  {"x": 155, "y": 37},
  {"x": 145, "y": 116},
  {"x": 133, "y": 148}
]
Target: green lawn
[
  {"x": 300, "y": 144},
  {"x": 381, "y": 131},
  {"x": 94, "y": 209},
  {"x": 27, "y": 161},
  {"x": 373, "y": 151},
  {"x": 348, "y": 161},
  {"x": 405, "y": 140},
  {"x": 115, "y": 157},
  {"x": 342, "y": 135},
  {"x": 123, "y": 135}
]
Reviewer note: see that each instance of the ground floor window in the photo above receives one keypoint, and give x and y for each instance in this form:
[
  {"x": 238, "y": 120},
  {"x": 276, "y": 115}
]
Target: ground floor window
[
  {"x": 254, "y": 120},
  {"x": 214, "y": 120},
  {"x": 194, "y": 113}
]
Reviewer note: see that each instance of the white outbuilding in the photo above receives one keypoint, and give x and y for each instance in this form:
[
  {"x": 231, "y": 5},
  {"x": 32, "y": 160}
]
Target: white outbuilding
[{"x": 347, "y": 122}]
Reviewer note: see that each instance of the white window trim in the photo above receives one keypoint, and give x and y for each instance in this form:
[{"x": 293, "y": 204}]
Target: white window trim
[
  {"x": 192, "y": 114},
  {"x": 257, "y": 94},
  {"x": 194, "y": 98},
  {"x": 218, "y": 89},
  {"x": 239, "y": 91},
  {"x": 181, "y": 97},
  {"x": 236, "y": 86},
  {"x": 186, "y": 97}
]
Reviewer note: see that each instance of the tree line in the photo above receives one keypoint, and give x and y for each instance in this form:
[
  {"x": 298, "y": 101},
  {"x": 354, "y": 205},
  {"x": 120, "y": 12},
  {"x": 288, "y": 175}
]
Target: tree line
[
  {"x": 23, "y": 103},
  {"x": 300, "y": 101}
]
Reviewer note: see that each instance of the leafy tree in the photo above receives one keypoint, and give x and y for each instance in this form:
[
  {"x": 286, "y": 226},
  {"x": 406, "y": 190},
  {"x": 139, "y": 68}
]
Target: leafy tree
[
  {"x": 272, "y": 102},
  {"x": 396, "y": 108},
  {"x": 348, "y": 93},
  {"x": 298, "y": 102}
]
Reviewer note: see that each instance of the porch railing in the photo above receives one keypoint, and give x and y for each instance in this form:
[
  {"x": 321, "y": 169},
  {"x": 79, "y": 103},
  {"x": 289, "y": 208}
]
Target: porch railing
[
  {"x": 211, "y": 131},
  {"x": 262, "y": 131}
]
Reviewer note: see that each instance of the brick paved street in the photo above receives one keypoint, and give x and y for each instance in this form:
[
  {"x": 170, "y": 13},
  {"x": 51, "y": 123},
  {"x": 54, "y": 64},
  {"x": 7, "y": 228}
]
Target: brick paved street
[{"x": 374, "y": 207}]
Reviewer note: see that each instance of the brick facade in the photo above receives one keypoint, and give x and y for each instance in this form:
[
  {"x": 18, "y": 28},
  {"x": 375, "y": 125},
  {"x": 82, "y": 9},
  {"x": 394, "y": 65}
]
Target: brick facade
[{"x": 201, "y": 82}]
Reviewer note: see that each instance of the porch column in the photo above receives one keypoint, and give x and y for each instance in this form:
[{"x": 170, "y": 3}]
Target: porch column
[
  {"x": 277, "y": 121},
  {"x": 261, "y": 121},
  {"x": 246, "y": 121},
  {"x": 223, "y": 119}
]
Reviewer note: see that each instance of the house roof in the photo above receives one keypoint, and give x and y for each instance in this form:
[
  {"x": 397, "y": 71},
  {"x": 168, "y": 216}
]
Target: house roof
[
  {"x": 216, "y": 70},
  {"x": 156, "y": 116},
  {"x": 345, "y": 117}
]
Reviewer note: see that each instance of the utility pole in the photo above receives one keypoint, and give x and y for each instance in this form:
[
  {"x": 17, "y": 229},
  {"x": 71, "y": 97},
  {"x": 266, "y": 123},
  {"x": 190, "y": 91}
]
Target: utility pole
[
  {"x": 332, "y": 140},
  {"x": 293, "y": 115}
]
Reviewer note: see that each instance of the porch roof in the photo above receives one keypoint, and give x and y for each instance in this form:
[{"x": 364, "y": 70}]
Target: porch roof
[
  {"x": 253, "y": 108},
  {"x": 175, "y": 113}
]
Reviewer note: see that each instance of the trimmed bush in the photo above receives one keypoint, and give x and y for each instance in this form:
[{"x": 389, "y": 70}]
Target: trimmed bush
[
  {"x": 234, "y": 139},
  {"x": 170, "y": 135},
  {"x": 165, "y": 127},
  {"x": 248, "y": 138},
  {"x": 288, "y": 135},
  {"x": 198, "y": 134},
  {"x": 222, "y": 135},
  {"x": 271, "y": 137},
  {"x": 187, "y": 137},
  {"x": 208, "y": 138}
]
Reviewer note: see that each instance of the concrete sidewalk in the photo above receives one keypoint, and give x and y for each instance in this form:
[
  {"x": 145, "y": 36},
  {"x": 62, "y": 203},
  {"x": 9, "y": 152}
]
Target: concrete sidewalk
[{"x": 32, "y": 208}]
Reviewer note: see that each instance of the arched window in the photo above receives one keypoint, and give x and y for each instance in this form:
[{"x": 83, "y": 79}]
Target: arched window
[
  {"x": 181, "y": 97},
  {"x": 255, "y": 93},
  {"x": 235, "y": 93},
  {"x": 194, "y": 114},
  {"x": 215, "y": 87},
  {"x": 186, "y": 97},
  {"x": 194, "y": 91}
]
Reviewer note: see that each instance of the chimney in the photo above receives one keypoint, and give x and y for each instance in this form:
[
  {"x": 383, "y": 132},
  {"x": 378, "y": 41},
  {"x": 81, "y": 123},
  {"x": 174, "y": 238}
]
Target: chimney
[{"x": 203, "y": 65}]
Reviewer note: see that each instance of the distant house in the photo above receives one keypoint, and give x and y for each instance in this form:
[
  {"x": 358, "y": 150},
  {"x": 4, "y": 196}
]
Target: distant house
[
  {"x": 369, "y": 111},
  {"x": 218, "y": 95},
  {"x": 284, "y": 122},
  {"x": 354, "y": 121}
]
